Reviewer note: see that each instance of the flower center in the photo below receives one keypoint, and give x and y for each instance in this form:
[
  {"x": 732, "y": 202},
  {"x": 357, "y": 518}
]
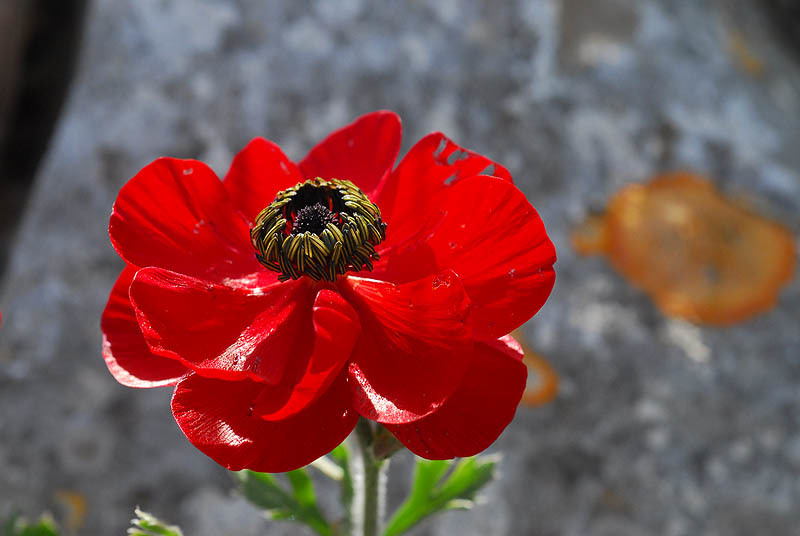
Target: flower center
[{"x": 319, "y": 228}]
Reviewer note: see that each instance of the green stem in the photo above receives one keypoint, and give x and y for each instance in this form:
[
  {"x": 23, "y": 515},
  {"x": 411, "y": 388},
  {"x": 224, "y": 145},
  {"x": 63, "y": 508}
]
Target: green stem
[{"x": 369, "y": 481}]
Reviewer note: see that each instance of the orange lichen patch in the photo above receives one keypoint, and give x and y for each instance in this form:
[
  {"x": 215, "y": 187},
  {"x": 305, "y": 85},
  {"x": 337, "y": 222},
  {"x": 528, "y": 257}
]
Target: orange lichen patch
[
  {"x": 542, "y": 384},
  {"x": 590, "y": 236},
  {"x": 698, "y": 255},
  {"x": 76, "y": 508}
]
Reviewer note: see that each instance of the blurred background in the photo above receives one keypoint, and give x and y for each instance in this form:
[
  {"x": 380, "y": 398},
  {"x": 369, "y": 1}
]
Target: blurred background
[{"x": 661, "y": 426}]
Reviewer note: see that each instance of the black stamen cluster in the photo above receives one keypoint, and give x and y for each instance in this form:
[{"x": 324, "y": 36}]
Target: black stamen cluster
[{"x": 312, "y": 218}]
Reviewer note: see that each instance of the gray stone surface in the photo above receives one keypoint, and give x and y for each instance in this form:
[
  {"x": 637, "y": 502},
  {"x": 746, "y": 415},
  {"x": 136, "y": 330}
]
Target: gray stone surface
[{"x": 661, "y": 427}]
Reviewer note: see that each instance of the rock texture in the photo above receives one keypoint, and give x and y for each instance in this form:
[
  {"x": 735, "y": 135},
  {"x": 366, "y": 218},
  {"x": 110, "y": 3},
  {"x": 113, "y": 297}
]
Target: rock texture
[{"x": 661, "y": 427}]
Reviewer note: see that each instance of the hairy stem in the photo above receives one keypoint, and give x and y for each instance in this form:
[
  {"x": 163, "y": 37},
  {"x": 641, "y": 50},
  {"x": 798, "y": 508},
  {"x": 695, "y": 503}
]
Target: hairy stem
[{"x": 369, "y": 482}]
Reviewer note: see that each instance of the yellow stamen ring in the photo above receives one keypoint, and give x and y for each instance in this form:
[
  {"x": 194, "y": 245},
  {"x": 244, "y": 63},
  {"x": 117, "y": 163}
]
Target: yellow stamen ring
[{"x": 319, "y": 228}]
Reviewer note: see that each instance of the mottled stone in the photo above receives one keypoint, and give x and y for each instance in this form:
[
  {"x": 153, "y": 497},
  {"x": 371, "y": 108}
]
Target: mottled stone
[{"x": 661, "y": 427}]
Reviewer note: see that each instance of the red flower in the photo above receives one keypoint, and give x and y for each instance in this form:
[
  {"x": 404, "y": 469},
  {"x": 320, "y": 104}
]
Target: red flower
[{"x": 271, "y": 374}]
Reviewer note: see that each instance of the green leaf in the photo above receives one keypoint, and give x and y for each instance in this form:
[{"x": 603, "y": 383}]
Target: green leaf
[
  {"x": 19, "y": 526},
  {"x": 469, "y": 476},
  {"x": 264, "y": 490},
  {"x": 147, "y": 524},
  {"x": 296, "y": 504},
  {"x": 341, "y": 456},
  {"x": 302, "y": 488},
  {"x": 434, "y": 490}
]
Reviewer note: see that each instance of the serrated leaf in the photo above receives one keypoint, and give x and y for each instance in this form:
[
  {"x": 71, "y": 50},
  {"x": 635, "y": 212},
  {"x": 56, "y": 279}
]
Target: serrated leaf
[
  {"x": 434, "y": 490},
  {"x": 459, "y": 504},
  {"x": 469, "y": 475},
  {"x": 428, "y": 474},
  {"x": 296, "y": 504},
  {"x": 18, "y": 526},
  {"x": 147, "y": 524}
]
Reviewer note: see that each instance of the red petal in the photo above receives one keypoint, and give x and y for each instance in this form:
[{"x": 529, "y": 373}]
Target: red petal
[
  {"x": 477, "y": 412},
  {"x": 216, "y": 416},
  {"x": 222, "y": 331},
  {"x": 411, "y": 354},
  {"x": 363, "y": 152},
  {"x": 257, "y": 174},
  {"x": 175, "y": 214},
  {"x": 127, "y": 356},
  {"x": 336, "y": 329},
  {"x": 495, "y": 241},
  {"x": 431, "y": 165},
  {"x": 487, "y": 232}
]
